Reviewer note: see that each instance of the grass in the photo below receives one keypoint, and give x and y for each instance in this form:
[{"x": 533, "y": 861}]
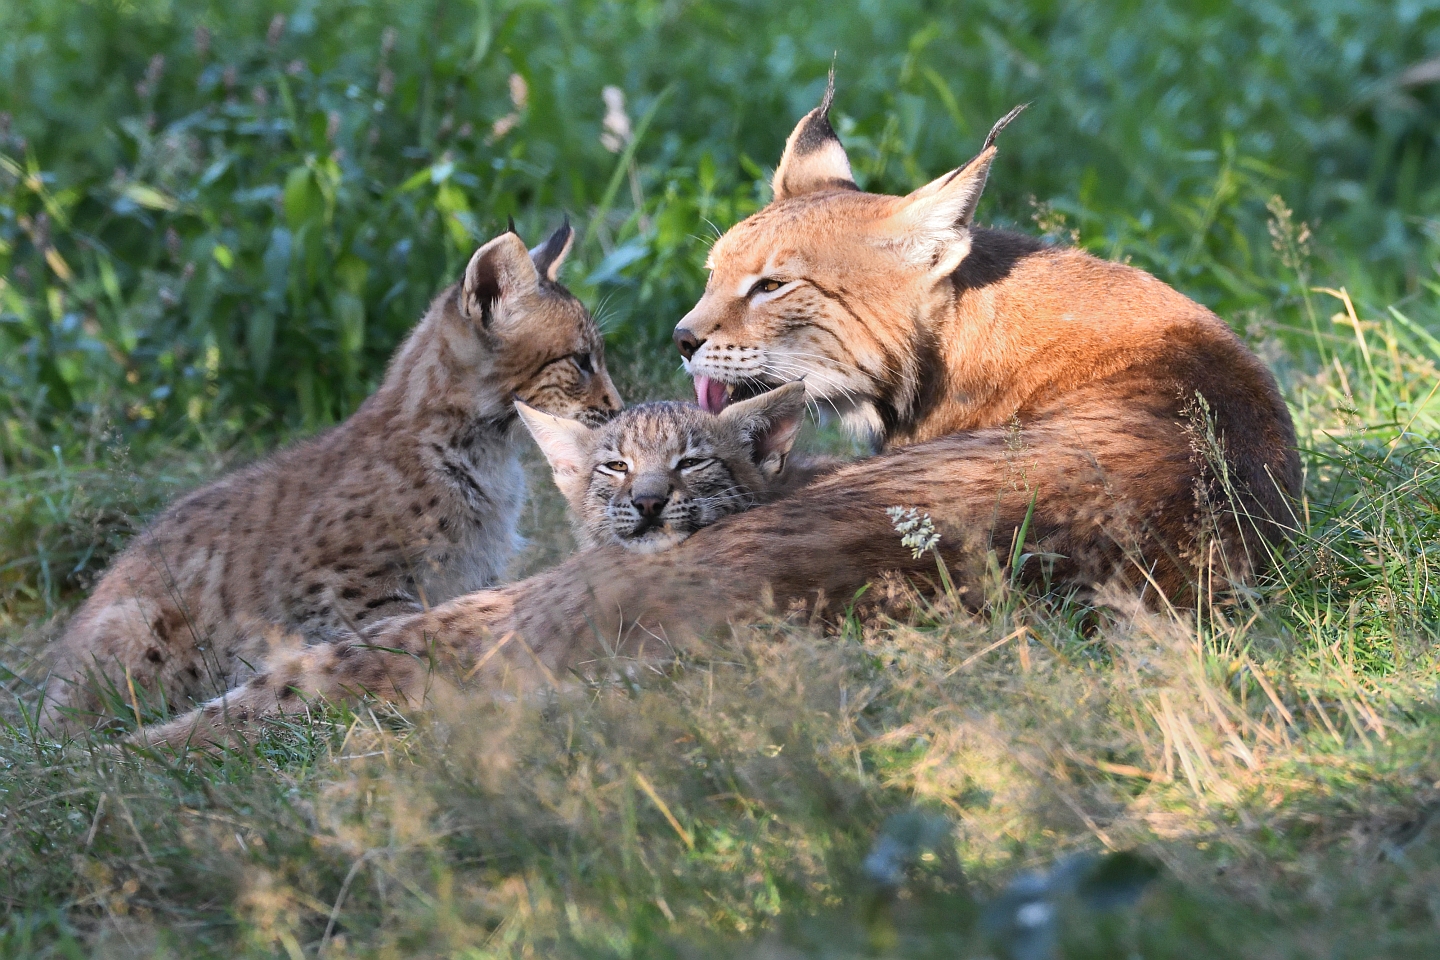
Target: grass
[{"x": 208, "y": 249}]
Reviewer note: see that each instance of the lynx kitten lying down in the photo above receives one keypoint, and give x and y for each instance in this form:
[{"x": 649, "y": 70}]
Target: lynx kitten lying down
[
  {"x": 660, "y": 471},
  {"x": 646, "y": 480}
]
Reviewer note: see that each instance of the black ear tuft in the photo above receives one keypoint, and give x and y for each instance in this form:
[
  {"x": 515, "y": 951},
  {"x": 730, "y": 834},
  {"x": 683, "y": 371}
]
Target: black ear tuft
[
  {"x": 815, "y": 132},
  {"x": 814, "y": 158},
  {"x": 550, "y": 255},
  {"x": 1001, "y": 124},
  {"x": 510, "y": 227}
]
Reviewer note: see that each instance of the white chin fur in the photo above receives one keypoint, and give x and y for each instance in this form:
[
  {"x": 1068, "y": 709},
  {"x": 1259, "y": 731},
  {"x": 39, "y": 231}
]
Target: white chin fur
[
  {"x": 859, "y": 418},
  {"x": 862, "y": 421},
  {"x": 652, "y": 543}
]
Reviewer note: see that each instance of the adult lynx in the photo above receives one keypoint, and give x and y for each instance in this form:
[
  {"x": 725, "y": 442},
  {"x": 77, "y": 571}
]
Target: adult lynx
[{"x": 1008, "y": 386}]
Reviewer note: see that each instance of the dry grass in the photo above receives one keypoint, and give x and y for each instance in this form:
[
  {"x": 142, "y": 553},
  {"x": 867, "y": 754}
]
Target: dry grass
[{"x": 790, "y": 790}]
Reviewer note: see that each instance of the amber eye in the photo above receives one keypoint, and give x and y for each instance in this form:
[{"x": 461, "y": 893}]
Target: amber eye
[
  {"x": 616, "y": 466},
  {"x": 583, "y": 362},
  {"x": 767, "y": 285},
  {"x": 690, "y": 463}
]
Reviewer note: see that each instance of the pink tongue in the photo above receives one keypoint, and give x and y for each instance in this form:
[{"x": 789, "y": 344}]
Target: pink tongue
[{"x": 710, "y": 393}]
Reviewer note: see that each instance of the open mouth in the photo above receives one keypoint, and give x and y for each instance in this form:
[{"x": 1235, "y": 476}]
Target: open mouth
[{"x": 715, "y": 395}]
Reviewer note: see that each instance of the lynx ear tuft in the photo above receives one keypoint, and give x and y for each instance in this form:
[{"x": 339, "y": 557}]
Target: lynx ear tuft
[
  {"x": 770, "y": 423},
  {"x": 566, "y": 445},
  {"x": 814, "y": 158},
  {"x": 933, "y": 223},
  {"x": 498, "y": 270},
  {"x": 550, "y": 255}
]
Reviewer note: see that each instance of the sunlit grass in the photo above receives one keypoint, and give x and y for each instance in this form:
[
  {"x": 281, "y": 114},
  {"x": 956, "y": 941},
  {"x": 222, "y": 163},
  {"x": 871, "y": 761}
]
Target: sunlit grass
[
  {"x": 1274, "y": 756},
  {"x": 1257, "y": 778}
]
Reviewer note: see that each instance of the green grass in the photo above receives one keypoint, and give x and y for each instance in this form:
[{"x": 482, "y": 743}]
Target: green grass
[{"x": 211, "y": 239}]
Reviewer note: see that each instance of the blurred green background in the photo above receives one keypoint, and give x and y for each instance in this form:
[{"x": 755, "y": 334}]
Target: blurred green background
[{"x": 217, "y": 219}]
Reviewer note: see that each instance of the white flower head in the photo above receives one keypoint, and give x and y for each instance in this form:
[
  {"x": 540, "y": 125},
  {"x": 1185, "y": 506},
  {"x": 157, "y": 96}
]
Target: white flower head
[
  {"x": 917, "y": 531},
  {"x": 616, "y": 133}
]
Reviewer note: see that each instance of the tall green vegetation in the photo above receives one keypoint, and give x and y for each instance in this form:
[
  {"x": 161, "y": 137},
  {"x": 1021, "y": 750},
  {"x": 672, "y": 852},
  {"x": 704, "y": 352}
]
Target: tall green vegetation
[{"x": 216, "y": 220}]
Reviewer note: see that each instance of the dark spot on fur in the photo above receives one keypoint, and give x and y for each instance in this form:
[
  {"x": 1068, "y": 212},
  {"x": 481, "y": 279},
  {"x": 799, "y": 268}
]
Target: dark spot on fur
[
  {"x": 154, "y": 656},
  {"x": 314, "y": 588},
  {"x": 350, "y": 593},
  {"x": 382, "y": 601}
]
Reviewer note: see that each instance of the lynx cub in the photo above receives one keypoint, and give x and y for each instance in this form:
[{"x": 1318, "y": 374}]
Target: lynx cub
[
  {"x": 658, "y": 472},
  {"x": 646, "y": 481},
  {"x": 411, "y": 501}
]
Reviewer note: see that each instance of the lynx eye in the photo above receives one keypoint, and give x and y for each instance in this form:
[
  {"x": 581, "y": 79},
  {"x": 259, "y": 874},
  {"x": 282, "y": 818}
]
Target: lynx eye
[
  {"x": 615, "y": 466},
  {"x": 584, "y": 362},
  {"x": 766, "y": 285},
  {"x": 690, "y": 463}
]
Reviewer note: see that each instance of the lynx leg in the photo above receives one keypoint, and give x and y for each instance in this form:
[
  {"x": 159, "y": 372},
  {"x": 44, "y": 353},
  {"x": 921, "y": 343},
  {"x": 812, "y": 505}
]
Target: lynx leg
[{"x": 392, "y": 661}]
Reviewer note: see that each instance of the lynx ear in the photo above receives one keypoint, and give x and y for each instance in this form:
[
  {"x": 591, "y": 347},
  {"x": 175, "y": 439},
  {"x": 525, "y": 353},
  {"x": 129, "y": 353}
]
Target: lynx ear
[
  {"x": 550, "y": 255},
  {"x": 498, "y": 271},
  {"x": 770, "y": 423},
  {"x": 933, "y": 223},
  {"x": 566, "y": 445},
  {"x": 813, "y": 158}
]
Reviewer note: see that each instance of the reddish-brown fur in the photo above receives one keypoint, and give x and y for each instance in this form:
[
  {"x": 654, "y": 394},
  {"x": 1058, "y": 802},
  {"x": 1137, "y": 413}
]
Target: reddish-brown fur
[{"x": 1000, "y": 378}]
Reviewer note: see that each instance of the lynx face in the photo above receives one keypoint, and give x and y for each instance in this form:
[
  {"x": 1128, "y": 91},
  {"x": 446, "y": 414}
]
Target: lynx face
[
  {"x": 824, "y": 285},
  {"x": 547, "y": 349},
  {"x": 661, "y": 471}
]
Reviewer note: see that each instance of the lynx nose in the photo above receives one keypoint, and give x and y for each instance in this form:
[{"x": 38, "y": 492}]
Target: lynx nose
[
  {"x": 686, "y": 342},
  {"x": 649, "y": 506}
]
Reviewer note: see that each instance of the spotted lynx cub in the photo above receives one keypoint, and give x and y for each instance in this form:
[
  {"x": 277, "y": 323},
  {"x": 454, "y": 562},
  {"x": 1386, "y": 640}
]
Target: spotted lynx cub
[
  {"x": 658, "y": 472},
  {"x": 646, "y": 480},
  {"x": 411, "y": 501}
]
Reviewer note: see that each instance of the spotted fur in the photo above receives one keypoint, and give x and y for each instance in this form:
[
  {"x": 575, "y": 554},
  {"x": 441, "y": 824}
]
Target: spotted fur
[
  {"x": 1035, "y": 402},
  {"x": 411, "y": 501},
  {"x": 660, "y": 471}
]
